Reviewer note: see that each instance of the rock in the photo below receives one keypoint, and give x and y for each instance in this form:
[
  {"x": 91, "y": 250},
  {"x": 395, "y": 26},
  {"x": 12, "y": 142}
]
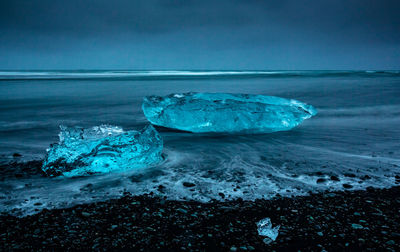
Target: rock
[
  {"x": 225, "y": 113},
  {"x": 251, "y": 248},
  {"x": 181, "y": 210},
  {"x": 365, "y": 177},
  {"x": 356, "y": 226},
  {"x": 161, "y": 188},
  {"x": 85, "y": 214},
  {"x": 334, "y": 178},
  {"x": 395, "y": 234},
  {"x": 390, "y": 242},
  {"x": 188, "y": 184},
  {"x": 347, "y": 186}
]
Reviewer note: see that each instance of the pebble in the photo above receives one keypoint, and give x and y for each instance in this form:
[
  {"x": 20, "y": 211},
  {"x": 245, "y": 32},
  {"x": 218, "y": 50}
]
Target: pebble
[
  {"x": 188, "y": 184},
  {"x": 347, "y": 186},
  {"x": 391, "y": 242},
  {"x": 357, "y": 226},
  {"x": 334, "y": 178},
  {"x": 85, "y": 214},
  {"x": 181, "y": 210}
]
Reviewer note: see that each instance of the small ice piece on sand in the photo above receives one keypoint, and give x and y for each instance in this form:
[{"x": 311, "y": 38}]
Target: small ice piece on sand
[
  {"x": 102, "y": 149},
  {"x": 225, "y": 113},
  {"x": 264, "y": 228}
]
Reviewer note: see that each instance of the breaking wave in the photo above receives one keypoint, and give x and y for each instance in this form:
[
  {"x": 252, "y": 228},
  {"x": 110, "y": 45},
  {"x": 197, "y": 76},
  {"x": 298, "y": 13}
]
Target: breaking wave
[{"x": 151, "y": 75}]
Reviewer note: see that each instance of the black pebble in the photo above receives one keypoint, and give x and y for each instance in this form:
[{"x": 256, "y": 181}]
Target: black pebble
[
  {"x": 188, "y": 184},
  {"x": 365, "y": 177},
  {"x": 334, "y": 178},
  {"x": 347, "y": 186}
]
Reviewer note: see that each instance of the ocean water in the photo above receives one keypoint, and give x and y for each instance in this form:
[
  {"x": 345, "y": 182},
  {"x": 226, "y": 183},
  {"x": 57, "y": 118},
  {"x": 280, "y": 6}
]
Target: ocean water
[{"x": 355, "y": 136}]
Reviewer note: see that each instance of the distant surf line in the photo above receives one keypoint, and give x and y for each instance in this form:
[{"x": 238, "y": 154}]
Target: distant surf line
[{"x": 178, "y": 74}]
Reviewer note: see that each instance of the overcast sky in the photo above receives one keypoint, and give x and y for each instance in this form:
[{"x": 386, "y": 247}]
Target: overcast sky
[{"x": 200, "y": 34}]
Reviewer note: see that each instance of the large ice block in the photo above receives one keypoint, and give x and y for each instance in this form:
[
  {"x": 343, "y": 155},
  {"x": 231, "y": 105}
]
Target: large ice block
[
  {"x": 102, "y": 149},
  {"x": 226, "y": 113}
]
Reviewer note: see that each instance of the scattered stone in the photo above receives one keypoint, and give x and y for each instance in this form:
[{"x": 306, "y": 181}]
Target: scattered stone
[
  {"x": 85, "y": 214},
  {"x": 347, "y": 186},
  {"x": 391, "y": 242},
  {"x": 161, "y": 188},
  {"x": 334, "y": 178},
  {"x": 188, "y": 184},
  {"x": 181, "y": 210},
  {"x": 357, "y": 226},
  {"x": 251, "y": 248},
  {"x": 365, "y": 177}
]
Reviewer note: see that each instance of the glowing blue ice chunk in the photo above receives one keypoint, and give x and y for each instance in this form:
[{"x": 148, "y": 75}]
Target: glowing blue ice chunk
[
  {"x": 225, "y": 113},
  {"x": 264, "y": 228},
  {"x": 102, "y": 149}
]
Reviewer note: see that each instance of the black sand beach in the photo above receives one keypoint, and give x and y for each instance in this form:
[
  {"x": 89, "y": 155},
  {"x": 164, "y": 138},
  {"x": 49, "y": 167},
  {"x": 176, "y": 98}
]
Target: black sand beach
[{"x": 332, "y": 221}]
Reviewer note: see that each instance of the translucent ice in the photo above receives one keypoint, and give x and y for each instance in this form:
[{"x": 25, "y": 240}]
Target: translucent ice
[
  {"x": 264, "y": 228},
  {"x": 225, "y": 113},
  {"x": 102, "y": 149}
]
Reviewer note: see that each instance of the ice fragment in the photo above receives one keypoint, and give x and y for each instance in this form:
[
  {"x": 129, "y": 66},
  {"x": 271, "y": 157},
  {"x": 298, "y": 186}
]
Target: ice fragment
[
  {"x": 102, "y": 149},
  {"x": 264, "y": 228}
]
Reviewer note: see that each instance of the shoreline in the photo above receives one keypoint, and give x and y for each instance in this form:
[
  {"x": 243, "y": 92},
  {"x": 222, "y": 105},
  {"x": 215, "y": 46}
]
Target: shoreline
[{"x": 342, "y": 220}]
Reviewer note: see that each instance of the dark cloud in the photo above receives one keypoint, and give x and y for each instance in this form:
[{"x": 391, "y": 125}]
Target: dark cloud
[
  {"x": 82, "y": 17},
  {"x": 102, "y": 16},
  {"x": 193, "y": 26}
]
